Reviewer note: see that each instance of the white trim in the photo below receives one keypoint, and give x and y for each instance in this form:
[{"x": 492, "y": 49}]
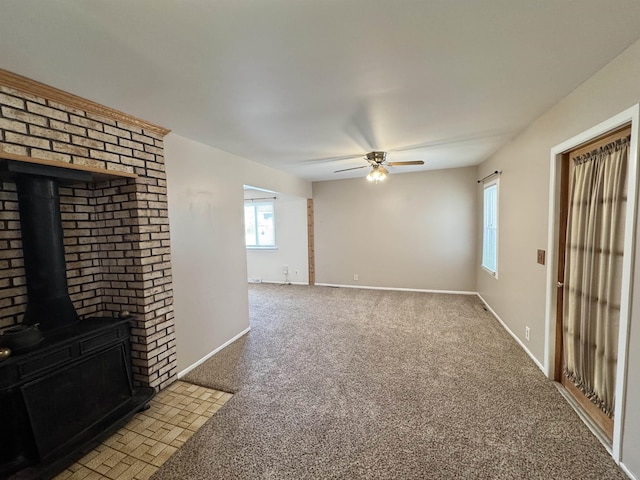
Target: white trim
[
  {"x": 627, "y": 279},
  {"x": 209, "y": 355},
  {"x": 366, "y": 287},
  {"x": 630, "y": 115},
  {"x": 627, "y": 471},
  {"x": 280, "y": 282},
  {"x": 515, "y": 337},
  {"x": 552, "y": 266}
]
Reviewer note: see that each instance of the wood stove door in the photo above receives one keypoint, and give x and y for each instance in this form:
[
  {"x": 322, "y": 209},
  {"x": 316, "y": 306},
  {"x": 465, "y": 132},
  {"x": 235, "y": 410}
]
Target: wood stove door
[{"x": 67, "y": 402}]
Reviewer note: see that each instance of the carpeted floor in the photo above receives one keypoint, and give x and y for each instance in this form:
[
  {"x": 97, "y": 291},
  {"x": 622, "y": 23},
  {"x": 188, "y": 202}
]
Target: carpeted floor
[{"x": 344, "y": 384}]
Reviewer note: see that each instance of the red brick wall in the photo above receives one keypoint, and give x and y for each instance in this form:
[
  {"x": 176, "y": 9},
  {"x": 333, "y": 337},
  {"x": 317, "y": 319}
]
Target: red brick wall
[{"x": 116, "y": 233}]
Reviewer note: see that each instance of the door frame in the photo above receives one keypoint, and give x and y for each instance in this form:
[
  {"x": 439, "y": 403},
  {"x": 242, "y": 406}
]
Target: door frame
[{"x": 631, "y": 115}]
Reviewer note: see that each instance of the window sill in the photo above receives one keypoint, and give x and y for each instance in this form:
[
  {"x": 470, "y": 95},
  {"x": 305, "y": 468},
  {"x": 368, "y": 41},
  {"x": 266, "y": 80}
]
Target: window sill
[
  {"x": 262, "y": 248},
  {"x": 490, "y": 272}
]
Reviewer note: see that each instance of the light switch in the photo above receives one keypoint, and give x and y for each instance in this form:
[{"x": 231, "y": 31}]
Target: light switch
[{"x": 541, "y": 257}]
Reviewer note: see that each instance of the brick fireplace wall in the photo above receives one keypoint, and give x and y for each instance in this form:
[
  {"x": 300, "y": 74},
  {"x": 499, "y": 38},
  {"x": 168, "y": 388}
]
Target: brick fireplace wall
[{"x": 116, "y": 232}]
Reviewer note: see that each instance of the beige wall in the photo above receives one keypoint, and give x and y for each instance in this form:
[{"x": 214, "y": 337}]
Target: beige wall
[
  {"x": 205, "y": 190},
  {"x": 518, "y": 295},
  {"x": 414, "y": 231}
]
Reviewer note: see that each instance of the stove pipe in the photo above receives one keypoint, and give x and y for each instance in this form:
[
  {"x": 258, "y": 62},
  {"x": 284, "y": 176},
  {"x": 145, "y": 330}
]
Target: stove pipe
[{"x": 48, "y": 302}]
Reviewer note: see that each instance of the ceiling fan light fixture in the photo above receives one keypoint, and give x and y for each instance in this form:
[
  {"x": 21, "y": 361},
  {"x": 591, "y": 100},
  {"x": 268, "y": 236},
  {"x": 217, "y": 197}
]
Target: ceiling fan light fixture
[{"x": 377, "y": 174}]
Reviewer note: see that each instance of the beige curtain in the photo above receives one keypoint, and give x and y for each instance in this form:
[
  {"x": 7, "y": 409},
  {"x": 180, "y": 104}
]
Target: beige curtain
[{"x": 593, "y": 271}]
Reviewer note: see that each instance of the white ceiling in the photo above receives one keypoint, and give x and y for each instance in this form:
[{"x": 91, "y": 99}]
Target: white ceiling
[{"x": 294, "y": 83}]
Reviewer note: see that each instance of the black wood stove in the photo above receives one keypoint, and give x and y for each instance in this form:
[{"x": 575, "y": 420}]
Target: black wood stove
[{"x": 67, "y": 382}]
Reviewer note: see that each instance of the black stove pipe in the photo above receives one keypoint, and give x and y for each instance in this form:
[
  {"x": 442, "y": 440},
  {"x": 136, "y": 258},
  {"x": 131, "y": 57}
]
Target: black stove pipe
[{"x": 48, "y": 302}]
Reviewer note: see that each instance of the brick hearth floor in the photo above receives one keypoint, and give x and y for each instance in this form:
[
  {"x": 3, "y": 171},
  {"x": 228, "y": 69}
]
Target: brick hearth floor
[{"x": 139, "y": 448}]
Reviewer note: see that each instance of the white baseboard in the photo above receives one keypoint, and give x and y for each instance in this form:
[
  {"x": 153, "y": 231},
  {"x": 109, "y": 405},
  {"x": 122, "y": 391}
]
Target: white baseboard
[
  {"x": 366, "y": 287},
  {"x": 276, "y": 282},
  {"x": 504, "y": 325},
  {"x": 627, "y": 471},
  {"x": 209, "y": 355}
]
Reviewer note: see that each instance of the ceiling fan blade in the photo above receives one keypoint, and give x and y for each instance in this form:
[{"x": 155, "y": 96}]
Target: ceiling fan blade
[
  {"x": 354, "y": 168},
  {"x": 412, "y": 162}
]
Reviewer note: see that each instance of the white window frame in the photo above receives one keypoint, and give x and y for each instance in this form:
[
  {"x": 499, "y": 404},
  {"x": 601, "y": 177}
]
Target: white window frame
[
  {"x": 256, "y": 203},
  {"x": 487, "y": 185}
]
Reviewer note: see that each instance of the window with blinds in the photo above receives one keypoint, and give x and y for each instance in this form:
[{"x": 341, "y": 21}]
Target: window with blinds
[
  {"x": 490, "y": 228},
  {"x": 259, "y": 225}
]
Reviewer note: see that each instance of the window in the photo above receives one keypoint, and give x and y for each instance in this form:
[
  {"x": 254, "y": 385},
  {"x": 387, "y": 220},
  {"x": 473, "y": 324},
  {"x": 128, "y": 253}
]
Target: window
[
  {"x": 259, "y": 224},
  {"x": 490, "y": 228}
]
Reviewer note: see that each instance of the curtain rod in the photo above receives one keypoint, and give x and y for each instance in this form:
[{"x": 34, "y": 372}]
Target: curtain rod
[
  {"x": 263, "y": 198},
  {"x": 489, "y": 176}
]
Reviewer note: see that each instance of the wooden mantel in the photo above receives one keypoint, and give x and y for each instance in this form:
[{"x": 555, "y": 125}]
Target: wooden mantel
[
  {"x": 95, "y": 174},
  {"x": 26, "y": 85}
]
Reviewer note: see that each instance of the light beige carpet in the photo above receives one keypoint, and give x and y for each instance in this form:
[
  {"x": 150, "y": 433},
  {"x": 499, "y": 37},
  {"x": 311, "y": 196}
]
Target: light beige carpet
[
  {"x": 226, "y": 369},
  {"x": 347, "y": 384}
]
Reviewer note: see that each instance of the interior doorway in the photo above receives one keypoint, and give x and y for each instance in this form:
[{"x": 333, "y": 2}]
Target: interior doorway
[
  {"x": 276, "y": 237},
  {"x": 559, "y": 217},
  {"x": 591, "y": 250}
]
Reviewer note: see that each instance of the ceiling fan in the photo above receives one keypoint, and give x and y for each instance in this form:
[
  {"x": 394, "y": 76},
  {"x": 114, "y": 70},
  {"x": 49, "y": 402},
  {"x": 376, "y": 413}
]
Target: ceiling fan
[{"x": 377, "y": 161}]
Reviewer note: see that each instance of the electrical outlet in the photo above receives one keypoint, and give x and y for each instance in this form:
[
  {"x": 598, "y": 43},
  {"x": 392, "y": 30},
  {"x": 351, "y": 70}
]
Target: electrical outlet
[
  {"x": 355, "y": 276},
  {"x": 295, "y": 272},
  {"x": 527, "y": 333}
]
